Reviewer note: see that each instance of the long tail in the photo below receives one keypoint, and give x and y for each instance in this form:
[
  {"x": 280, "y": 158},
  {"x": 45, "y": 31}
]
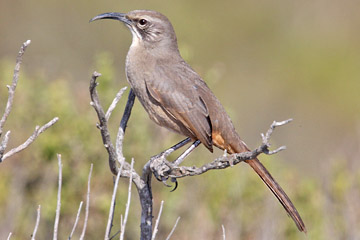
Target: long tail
[
  {"x": 237, "y": 146},
  {"x": 224, "y": 136},
  {"x": 278, "y": 192}
]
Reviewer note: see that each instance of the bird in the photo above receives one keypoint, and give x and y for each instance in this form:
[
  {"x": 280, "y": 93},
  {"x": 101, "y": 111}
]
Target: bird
[{"x": 177, "y": 98}]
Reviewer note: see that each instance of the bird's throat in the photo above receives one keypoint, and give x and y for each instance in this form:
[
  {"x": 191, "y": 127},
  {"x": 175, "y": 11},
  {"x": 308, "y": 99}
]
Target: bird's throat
[{"x": 136, "y": 37}]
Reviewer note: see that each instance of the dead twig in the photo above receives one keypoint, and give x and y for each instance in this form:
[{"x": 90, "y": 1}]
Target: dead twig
[
  {"x": 76, "y": 220},
  {"x": 30, "y": 140},
  {"x": 123, "y": 223},
  {"x": 157, "y": 221},
  {"x": 37, "y": 223},
  {"x": 223, "y": 232},
  {"x": 173, "y": 229},
  {"x": 87, "y": 204},
  {"x": 114, "y": 154},
  {"x": 114, "y": 103},
  {"x": 112, "y": 205},
  {"x": 266, "y": 137},
  {"x": 58, "y": 205},
  {"x": 102, "y": 125},
  {"x": 12, "y": 88},
  {"x": 3, "y": 145}
]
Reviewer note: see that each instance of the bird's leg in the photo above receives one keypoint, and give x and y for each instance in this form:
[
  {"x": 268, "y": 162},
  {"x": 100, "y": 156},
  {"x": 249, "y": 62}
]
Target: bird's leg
[
  {"x": 181, "y": 158},
  {"x": 170, "y": 150}
]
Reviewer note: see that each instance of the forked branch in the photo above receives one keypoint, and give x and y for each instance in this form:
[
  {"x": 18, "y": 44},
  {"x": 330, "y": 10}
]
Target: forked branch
[
  {"x": 116, "y": 158},
  {"x": 11, "y": 89}
]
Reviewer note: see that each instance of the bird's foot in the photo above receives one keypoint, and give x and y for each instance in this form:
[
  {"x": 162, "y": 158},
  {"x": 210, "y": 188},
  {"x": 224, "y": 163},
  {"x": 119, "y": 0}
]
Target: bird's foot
[{"x": 161, "y": 168}]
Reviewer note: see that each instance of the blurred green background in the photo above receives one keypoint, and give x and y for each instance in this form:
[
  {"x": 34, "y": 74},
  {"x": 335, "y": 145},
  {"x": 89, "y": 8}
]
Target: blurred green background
[{"x": 265, "y": 60}]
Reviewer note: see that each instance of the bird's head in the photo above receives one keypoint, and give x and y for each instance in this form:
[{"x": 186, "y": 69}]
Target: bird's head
[{"x": 149, "y": 28}]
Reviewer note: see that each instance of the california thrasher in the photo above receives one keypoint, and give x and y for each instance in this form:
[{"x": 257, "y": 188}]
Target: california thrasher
[{"x": 176, "y": 97}]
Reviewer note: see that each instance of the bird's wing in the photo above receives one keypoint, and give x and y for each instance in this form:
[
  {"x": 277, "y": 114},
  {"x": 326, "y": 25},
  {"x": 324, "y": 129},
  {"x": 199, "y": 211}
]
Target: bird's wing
[{"x": 177, "y": 93}]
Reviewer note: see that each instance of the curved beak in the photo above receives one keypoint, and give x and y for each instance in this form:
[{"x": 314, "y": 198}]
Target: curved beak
[{"x": 112, "y": 15}]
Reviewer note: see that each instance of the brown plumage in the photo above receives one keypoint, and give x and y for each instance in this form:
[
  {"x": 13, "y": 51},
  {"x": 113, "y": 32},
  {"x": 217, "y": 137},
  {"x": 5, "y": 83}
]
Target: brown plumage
[{"x": 176, "y": 97}]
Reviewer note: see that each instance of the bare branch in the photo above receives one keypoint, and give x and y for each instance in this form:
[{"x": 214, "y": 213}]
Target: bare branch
[
  {"x": 12, "y": 88},
  {"x": 223, "y": 231},
  {"x": 31, "y": 139},
  {"x": 121, "y": 223},
  {"x": 119, "y": 142},
  {"x": 114, "y": 154},
  {"x": 157, "y": 221},
  {"x": 76, "y": 220},
  {"x": 58, "y": 205},
  {"x": 87, "y": 204},
  {"x": 95, "y": 102},
  {"x": 114, "y": 102},
  {"x": 128, "y": 202},
  {"x": 173, "y": 229},
  {"x": 8, "y": 107},
  {"x": 266, "y": 137},
  {"x": 3, "y": 145},
  {"x": 37, "y": 223},
  {"x": 272, "y": 127},
  {"x": 112, "y": 205}
]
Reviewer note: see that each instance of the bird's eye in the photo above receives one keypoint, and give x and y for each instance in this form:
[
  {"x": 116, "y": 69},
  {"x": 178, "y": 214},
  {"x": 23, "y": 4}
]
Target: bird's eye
[{"x": 142, "y": 22}]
